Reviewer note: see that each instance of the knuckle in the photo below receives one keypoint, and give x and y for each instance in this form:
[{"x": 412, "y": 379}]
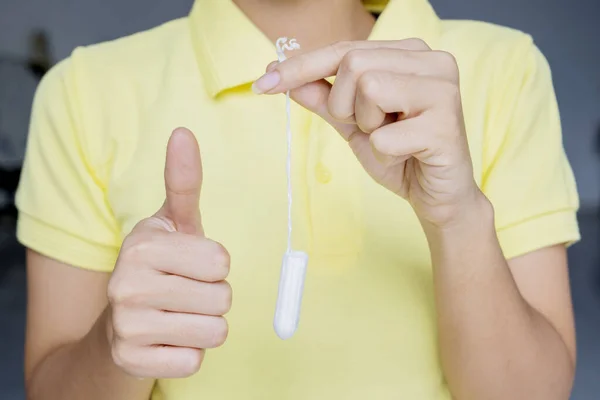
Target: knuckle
[
  {"x": 341, "y": 47},
  {"x": 113, "y": 291},
  {"x": 123, "y": 331},
  {"x": 120, "y": 357},
  {"x": 119, "y": 290},
  {"x": 450, "y": 92},
  {"x": 445, "y": 57},
  {"x": 369, "y": 85},
  {"x": 140, "y": 226},
  {"x": 145, "y": 228},
  {"x": 221, "y": 260},
  {"x": 126, "y": 291},
  {"x": 449, "y": 63},
  {"x": 352, "y": 61},
  {"x": 135, "y": 248},
  {"x": 416, "y": 44},
  {"x": 180, "y": 190}
]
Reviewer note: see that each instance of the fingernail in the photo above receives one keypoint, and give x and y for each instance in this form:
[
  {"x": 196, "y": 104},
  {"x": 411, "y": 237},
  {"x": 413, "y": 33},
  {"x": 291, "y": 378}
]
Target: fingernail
[{"x": 266, "y": 82}]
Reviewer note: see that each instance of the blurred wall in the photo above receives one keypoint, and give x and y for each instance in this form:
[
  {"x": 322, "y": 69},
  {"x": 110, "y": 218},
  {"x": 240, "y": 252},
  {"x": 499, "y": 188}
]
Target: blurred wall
[
  {"x": 567, "y": 31},
  {"x": 564, "y": 30}
]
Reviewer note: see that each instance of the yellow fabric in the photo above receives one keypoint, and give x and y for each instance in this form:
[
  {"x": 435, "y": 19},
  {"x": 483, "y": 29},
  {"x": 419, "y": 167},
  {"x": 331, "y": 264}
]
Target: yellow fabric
[
  {"x": 375, "y": 5},
  {"x": 101, "y": 121}
]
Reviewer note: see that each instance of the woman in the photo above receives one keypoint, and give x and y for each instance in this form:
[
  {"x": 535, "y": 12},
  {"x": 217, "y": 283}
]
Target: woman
[{"x": 437, "y": 241}]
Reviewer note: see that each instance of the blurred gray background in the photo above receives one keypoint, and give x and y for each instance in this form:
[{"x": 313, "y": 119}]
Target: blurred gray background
[{"x": 567, "y": 31}]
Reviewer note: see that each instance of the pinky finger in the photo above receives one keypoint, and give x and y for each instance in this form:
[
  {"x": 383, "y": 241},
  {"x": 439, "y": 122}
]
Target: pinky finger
[{"x": 159, "y": 362}]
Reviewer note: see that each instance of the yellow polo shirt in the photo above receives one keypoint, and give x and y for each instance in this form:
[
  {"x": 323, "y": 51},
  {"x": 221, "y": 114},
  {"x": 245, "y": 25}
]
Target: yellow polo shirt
[{"x": 100, "y": 124}]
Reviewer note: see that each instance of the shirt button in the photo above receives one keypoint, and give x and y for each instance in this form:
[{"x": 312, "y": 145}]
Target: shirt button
[{"x": 322, "y": 173}]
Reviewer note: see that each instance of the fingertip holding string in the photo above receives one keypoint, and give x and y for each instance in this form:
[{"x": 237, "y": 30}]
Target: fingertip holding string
[{"x": 294, "y": 264}]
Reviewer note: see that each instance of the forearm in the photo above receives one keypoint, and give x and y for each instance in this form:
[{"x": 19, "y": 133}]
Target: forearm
[
  {"x": 85, "y": 370},
  {"x": 494, "y": 345}
]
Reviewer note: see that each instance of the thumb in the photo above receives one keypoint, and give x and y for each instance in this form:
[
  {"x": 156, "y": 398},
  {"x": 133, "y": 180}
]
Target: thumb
[{"x": 183, "y": 180}]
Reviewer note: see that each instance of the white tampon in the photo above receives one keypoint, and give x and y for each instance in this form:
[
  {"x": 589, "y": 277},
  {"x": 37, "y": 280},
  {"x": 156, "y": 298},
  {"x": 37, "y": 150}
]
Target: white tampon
[
  {"x": 289, "y": 299},
  {"x": 293, "y": 267}
]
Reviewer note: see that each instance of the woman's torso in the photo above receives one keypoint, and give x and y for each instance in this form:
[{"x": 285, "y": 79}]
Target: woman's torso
[{"x": 368, "y": 327}]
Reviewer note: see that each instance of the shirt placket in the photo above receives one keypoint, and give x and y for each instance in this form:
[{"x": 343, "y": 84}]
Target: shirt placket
[{"x": 332, "y": 192}]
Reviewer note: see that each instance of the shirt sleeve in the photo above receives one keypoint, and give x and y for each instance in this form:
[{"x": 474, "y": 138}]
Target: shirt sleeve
[
  {"x": 526, "y": 175},
  {"x": 63, "y": 208}
]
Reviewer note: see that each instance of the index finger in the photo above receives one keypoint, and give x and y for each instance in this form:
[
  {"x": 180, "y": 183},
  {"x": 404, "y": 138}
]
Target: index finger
[
  {"x": 187, "y": 256},
  {"x": 324, "y": 62}
]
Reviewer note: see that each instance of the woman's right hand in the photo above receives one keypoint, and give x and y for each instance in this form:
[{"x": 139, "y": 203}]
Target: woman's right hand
[{"x": 168, "y": 292}]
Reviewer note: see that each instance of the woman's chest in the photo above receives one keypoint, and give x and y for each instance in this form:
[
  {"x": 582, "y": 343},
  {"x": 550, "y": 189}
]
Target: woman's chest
[{"x": 337, "y": 208}]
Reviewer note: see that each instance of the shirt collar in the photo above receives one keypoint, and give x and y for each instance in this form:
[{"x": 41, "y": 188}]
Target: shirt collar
[{"x": 232, "y": 52}]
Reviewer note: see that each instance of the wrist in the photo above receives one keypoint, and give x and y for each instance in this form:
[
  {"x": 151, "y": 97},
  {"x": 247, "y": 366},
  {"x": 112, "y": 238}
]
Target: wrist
[
  {"x": 99, "y": 339},
  {"x": 474, "y": 220},
  {"x": 469, "y": 238}
]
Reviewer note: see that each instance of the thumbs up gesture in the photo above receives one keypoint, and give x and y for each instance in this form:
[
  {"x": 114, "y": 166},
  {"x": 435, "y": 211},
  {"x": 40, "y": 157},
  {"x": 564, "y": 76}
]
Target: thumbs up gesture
[{"x": 168, "y": 292}]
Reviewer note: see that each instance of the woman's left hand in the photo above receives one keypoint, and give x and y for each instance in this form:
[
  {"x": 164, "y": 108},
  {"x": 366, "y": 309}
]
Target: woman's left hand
[{"x": 398, "y": 105}]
